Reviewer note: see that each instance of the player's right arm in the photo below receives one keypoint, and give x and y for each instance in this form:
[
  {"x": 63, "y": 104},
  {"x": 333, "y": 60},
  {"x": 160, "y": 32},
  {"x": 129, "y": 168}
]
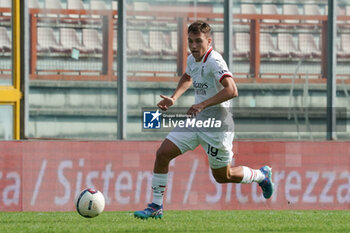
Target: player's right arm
[{"x": 184, "y": 83}]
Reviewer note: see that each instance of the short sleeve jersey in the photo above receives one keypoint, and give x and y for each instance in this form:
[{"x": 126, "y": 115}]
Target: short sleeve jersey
[{"x": 207, "y": 74}]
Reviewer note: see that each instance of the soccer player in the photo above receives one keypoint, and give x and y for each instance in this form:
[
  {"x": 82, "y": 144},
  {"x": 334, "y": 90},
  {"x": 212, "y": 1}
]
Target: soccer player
[{"x": 214, "y": 87}]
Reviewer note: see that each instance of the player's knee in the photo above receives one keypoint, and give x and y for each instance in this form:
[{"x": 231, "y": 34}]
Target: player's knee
[{"x": 162, "y": 156}]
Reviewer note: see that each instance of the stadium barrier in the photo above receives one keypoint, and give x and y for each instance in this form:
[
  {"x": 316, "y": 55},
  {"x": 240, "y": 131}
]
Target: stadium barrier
[
  {"x": 47, "y": 175},
  {"x": 255, "y": 25}
]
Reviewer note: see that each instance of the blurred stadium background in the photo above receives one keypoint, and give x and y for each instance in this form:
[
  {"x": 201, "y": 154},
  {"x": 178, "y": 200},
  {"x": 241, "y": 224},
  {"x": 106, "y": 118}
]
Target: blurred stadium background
[
  {"x": 69, "y": 66},
  {"x": 73, "y": 71}
]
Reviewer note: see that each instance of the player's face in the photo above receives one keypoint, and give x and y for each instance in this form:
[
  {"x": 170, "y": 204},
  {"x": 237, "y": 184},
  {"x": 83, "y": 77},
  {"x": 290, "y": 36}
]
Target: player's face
[{"x": 198, "y": 44}]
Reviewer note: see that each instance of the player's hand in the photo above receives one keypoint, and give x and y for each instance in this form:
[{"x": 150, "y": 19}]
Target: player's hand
[
  {"x": 165, "y": 103},
  {"x": 195, "y": 109}
]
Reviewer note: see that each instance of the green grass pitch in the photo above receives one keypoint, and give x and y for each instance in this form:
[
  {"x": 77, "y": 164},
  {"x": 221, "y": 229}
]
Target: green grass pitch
[{"x": 179, "y": 221}]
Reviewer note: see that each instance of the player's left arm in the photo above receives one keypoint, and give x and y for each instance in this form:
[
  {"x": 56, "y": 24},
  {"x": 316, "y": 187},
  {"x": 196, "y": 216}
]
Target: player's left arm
[{"x": 230, "y": 91}]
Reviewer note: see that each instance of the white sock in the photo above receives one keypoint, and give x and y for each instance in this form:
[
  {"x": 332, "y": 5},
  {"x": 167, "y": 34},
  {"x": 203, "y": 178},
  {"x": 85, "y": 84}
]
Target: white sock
[
  {"x": 251, "y": 175},
  {"x": 159, "y": 182}
]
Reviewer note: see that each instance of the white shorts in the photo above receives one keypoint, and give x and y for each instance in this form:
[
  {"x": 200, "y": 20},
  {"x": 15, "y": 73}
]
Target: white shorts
[{"x": 217, "y": 145}]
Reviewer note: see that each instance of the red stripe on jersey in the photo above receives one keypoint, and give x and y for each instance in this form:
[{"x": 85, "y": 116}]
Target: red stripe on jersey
[
  {"x": 206, "y": 55},
  {"x": 224, "y": 76}
]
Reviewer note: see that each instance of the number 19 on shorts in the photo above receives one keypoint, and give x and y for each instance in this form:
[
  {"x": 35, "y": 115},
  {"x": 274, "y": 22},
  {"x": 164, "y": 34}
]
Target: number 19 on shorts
[{"x": 212, "y": 151}]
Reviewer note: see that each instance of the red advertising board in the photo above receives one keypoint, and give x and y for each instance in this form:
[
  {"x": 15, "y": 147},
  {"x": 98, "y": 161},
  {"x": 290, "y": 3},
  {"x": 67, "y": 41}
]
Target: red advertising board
[{"x": 47, "y": 175}]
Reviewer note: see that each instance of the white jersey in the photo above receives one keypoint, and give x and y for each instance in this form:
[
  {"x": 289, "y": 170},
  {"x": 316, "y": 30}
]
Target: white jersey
[
  {"x": 207, "y": 74},
  {"x": 206, "y": 77}
]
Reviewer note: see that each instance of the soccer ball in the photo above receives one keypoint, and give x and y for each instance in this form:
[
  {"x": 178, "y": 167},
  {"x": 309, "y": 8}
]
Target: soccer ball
[{"x": 90, "y": 203}]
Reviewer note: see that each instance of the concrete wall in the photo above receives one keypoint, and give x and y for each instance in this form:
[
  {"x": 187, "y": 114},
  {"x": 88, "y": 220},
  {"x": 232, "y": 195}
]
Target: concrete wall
[{"x": 88, "y": 110}]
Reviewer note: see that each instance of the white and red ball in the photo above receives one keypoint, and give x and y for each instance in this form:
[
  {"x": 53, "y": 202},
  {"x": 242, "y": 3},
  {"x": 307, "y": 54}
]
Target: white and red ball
[{"x": 90, "y": 203}]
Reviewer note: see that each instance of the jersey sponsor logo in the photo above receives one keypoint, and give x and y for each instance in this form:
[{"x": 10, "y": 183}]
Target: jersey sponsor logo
[
  {"x": 200, "y": 88},
  {"x": 200, "y": 85},
  {"x": 200, "y": 92}
]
